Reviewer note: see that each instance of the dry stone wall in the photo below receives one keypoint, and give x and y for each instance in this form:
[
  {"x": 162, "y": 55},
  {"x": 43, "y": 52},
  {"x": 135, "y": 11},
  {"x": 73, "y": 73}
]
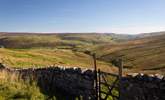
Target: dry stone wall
[
  {"x": 71, "y": 81},
  {"x": 76, "y": 82},
  {"x": 143, "y": 87}
]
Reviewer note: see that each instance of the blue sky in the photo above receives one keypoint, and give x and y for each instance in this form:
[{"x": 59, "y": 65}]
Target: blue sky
[{"x": 119, "y": 16}]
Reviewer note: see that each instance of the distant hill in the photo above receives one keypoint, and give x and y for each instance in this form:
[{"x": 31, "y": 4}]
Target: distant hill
[
  {"x": 142, "y": 35},
  {"x": 25, "y": 40},
  {"x": 74, "y": 41},
  {"x": 145, "y": 53}
]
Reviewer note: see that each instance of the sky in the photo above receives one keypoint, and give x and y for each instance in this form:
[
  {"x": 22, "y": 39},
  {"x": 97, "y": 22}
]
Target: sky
[{"x": 103, "y": 16}]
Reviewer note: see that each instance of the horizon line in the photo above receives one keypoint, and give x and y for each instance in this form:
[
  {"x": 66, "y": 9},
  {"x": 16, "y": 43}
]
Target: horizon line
[{"x": 19, "y": 32}]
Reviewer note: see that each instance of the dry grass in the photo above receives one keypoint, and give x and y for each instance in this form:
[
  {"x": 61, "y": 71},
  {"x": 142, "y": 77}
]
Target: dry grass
[
  {"x": 13, "y": 88},
  {"x": 43, "y": 57}
]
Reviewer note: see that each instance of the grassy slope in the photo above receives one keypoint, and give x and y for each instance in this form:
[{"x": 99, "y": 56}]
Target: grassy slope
[
  {"x": 43, "y": 57},
  {"x": 145, "y": 53},
  {"x": 13, "y": 88}
]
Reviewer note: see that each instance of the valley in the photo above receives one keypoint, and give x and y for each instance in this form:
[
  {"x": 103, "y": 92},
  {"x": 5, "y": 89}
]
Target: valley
[{"x": 143, "y": 53}]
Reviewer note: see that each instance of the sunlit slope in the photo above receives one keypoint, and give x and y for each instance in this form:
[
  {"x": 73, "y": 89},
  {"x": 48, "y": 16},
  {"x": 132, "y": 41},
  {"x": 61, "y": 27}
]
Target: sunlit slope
[
  {"x": 145, "y": 53},
  {"x": 66, "y": 40},
  {"x": 44, "y": 57}
]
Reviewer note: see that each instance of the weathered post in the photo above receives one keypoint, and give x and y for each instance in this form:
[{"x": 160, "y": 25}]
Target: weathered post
[
  {"x": 99, "y": 84},
  {"x": 94, "y": 60},
  {"x": 96, "y": 81},
  {"x": 120, "y": 76}
]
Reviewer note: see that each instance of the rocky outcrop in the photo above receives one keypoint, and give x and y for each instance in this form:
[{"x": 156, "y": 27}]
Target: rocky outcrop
[{"x": 143, "y": 87}]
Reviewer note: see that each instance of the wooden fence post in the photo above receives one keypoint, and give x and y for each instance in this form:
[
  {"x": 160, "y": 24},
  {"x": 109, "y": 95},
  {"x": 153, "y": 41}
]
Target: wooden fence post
[
  {"x": 120, "y": 76},
  {"x": 95, "y": 70},
  {"x": 99, "y": 84}
]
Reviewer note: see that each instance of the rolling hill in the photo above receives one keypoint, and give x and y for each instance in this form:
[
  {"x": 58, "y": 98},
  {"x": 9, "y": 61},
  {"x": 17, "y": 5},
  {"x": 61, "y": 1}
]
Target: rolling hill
[
  {"x": 29, "y": 50},
  {"x": 65, "y": 40},
  {"x": 143, "y": 52},
  {"x": 31, "y": 40}
]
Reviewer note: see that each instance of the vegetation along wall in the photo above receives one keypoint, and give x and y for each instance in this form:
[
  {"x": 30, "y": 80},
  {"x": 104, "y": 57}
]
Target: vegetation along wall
[{"x": 74, "y": 82}]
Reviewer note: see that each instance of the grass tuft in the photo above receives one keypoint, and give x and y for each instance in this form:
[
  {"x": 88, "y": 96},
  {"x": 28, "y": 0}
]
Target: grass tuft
[{"x": 13, "y": 88}]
